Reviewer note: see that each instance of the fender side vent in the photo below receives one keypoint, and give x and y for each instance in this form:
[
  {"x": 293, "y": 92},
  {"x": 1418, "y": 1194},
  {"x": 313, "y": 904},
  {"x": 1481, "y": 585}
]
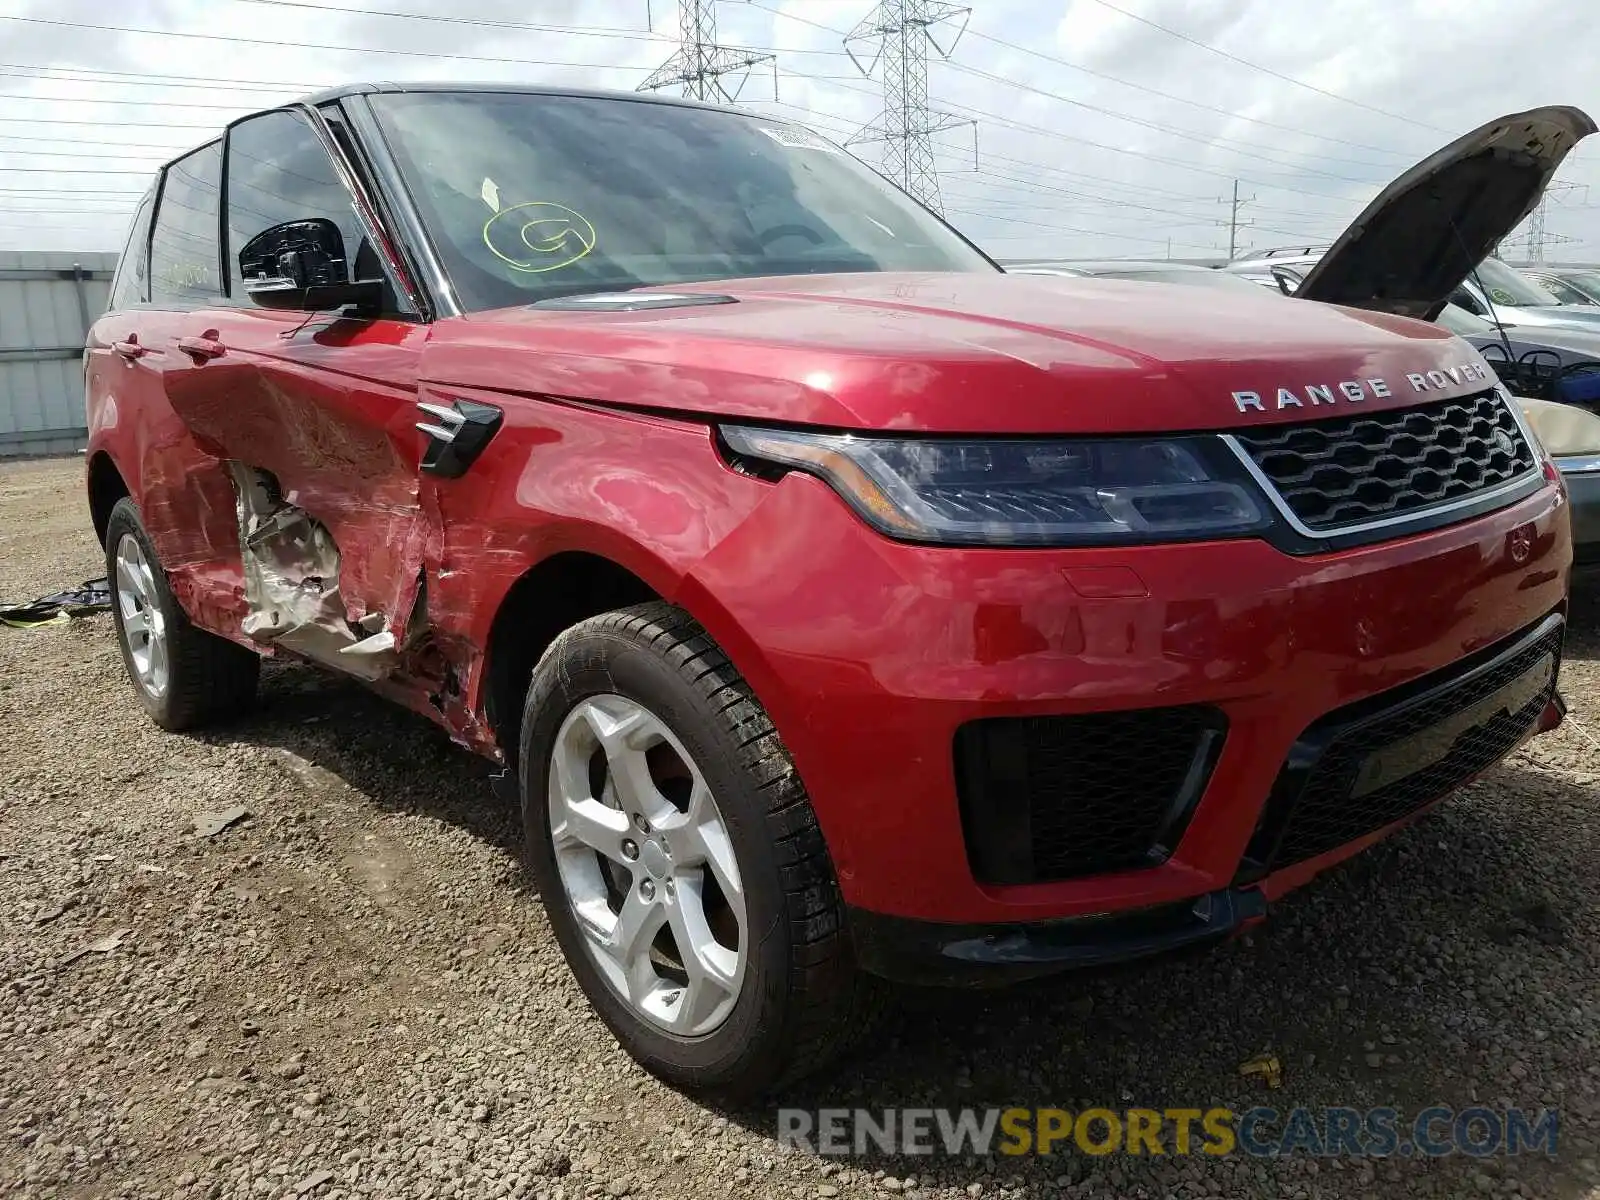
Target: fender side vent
[{"x": 456, "y": 435}]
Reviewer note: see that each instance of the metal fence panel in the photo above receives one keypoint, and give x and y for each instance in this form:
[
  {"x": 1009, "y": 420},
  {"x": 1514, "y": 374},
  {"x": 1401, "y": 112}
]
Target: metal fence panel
[{"x": 47, "y": 302}]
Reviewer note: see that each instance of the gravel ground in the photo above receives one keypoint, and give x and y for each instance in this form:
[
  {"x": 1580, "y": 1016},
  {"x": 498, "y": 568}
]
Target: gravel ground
[{"x": 352, "y": 993}]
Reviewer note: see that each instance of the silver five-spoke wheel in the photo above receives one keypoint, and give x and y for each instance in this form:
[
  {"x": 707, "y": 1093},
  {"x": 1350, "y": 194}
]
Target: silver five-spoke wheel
[
  {"x": 647, "y": 865},
  {"x": 140, "y": 611}
]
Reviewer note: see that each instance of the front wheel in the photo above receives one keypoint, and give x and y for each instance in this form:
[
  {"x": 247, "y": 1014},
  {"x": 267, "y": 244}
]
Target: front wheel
[{"x": 679, "y": 859}]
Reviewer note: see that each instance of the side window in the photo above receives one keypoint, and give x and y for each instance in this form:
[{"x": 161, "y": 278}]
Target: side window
[
  {"x": 277, "y": 172},
  {"x": 183, "y": 247},
  {"x": 1468, "y": 301},
  {"x": 1562, "y": 291},
  {"x": 127, "y": 285}
]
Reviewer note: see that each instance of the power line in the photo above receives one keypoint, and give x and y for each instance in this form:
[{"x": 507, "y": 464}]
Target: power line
[
  {"x": 1188, "y": 218},
  {"x": 154, "y": 159},
  {"x": 494, "y": 23},
  {"x": 1310, "y": 87},
  {"x": 1173, "y": 130},
  {"x": 1057, "y": 228},
  {"x": 643, "y": 35},
  {"x": 1116, "y": 79},
  {"x": 101, "y": 123},
  {"x": 146, "y": 79},
  {"x": 67, "y": 193},
  {"x": 33, "y": 96},
  {"x": 68, "y": 141},
  {"x": 219, "y": 37},
  {"x": 1034, "y": 186},
  {"x": 69, "y": 171},
  {"x": 1141, "y": 155},
  {"x": 1211, "y": 108}
]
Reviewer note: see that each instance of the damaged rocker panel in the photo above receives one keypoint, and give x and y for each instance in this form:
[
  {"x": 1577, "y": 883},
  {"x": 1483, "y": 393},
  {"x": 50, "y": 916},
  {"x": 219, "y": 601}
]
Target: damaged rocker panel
[{"x": 291, "y": 584}]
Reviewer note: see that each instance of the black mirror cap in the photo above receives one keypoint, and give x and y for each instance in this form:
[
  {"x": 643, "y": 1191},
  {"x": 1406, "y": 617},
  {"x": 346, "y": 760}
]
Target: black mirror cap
[{"x": 300, "y": 266}]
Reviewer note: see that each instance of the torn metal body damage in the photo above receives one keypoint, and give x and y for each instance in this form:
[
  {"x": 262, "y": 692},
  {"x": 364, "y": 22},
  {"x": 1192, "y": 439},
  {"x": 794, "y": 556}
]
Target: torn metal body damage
[{"x": 291, "y": 584}]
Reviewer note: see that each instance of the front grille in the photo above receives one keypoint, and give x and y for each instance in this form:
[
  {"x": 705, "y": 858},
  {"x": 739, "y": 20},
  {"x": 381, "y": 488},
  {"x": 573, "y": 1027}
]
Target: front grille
[
  {"x": 1347, "y": 471},
  {"x": 1049, "y": 798},
  {"x": 1354, "y": 772}
]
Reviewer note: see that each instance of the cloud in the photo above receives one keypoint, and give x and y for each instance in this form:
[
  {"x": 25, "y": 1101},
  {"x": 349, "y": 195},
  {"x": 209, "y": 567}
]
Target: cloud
[{"x": 1097, "y": 134}]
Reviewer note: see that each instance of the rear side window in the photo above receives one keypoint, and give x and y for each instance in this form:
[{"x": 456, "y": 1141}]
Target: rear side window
[
  {"x": 127, "y": 285},
  {"x": 183, "y": 247},
  {"x": 279, "y": 171}
]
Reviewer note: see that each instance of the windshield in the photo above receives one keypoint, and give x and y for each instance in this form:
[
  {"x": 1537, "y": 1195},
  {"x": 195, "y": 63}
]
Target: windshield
[
  {"x": 530, "y": 197},
  {"x": 1464, "y": 324},
  {"x": 1508, "y": 286}
]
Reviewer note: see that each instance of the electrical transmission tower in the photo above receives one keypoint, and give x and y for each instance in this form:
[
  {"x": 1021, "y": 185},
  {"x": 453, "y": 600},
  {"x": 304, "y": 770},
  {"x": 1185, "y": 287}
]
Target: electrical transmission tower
[
  {"x": 903, "y": 31},
  {"x": 700, "y": 65},
  {"x": 1536, "y": 238}
]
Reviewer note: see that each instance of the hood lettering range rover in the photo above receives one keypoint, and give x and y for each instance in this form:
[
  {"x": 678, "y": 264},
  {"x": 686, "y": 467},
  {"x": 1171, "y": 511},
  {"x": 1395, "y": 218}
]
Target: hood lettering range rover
[
  {"x": 1356, "y": 390},
  {"x": 832, "y": 602}
]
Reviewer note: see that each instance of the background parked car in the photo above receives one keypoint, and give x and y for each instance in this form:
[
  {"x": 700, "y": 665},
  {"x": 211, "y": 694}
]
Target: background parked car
[
  {"x": 1580, "y": 286},
  {"x": 1154, "y": 271},
  {"x": 1545, "y": 362},
  {"x": 1497, "y": 288}
]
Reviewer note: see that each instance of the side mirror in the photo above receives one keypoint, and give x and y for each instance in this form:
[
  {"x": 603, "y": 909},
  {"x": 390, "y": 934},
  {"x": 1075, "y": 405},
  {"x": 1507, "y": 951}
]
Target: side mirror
[
  {"x": 1465, "y": 299},
  {"x": 300, "y": 265}
]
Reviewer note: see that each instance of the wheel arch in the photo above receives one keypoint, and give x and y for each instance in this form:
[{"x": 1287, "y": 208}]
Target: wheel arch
[
  {"x": 549, "y": 597},
  {"x": 571, "y": 584},
  {"x": 106, "y": 486}
]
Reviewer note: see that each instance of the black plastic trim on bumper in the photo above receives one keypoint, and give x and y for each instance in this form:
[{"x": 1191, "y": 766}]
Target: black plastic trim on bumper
[
  {"x": 932, "y": 953},
  {"x": 1305, "y": 756},
  {"x": 1015, "y": 787}
]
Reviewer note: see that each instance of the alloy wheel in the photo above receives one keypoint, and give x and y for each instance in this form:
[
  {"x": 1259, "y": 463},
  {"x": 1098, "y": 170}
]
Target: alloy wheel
[
  {"x": 140, "y": 611},
  {"x": 649, "y": 870}
]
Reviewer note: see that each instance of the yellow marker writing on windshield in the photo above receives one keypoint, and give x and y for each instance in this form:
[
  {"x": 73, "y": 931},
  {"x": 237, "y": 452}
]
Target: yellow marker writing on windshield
[{"x": 553, "y": 235}]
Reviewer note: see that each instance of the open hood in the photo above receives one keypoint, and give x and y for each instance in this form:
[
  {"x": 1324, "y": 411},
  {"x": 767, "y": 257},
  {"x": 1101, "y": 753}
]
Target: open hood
[{"x": 1427, "y": 230}]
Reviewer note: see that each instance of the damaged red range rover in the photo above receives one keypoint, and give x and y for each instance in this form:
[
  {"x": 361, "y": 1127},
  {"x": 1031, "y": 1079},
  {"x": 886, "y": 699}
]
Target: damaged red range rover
[{"x": 839, "y": 606}]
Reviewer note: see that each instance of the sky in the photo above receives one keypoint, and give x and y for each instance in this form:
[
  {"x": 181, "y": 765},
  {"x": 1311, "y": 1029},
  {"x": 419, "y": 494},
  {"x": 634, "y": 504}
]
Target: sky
[{"x": 1079, "y": 128}]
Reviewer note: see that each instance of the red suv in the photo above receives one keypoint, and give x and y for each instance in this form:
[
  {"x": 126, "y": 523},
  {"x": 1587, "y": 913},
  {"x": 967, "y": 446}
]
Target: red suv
[{"x": 838, "y": 605}]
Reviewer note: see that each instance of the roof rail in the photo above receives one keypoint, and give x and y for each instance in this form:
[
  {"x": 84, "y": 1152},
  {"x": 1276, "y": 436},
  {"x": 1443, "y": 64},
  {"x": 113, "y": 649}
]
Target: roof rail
[{"x": 1280, "y": 251}]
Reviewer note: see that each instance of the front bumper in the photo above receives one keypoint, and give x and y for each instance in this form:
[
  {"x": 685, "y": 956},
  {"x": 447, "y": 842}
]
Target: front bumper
[
  {"x": 872, "y": 655},
  {"x": 928, "y": 954},
  {"x": 1582, "y": 476},
  {"x": 1348, "y": 781}
]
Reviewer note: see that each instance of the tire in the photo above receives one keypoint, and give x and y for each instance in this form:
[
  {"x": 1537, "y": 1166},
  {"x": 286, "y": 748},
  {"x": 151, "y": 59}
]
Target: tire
[
  {"x": 206, "y": 678},
  {"x": 799, "y": 1002}
]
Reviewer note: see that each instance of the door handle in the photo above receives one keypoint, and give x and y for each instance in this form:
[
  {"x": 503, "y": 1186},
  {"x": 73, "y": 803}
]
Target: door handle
[
  {"x": 202, "y": 348},
  {"x": 130, "y": 349}
]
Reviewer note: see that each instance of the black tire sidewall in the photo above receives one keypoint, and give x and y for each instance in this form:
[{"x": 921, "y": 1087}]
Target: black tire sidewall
[
  {"x": 125, "y": 520},
  {"x": 748, "y": 1045}
]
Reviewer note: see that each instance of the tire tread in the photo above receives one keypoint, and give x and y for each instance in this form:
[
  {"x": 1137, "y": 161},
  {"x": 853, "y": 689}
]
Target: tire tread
[{"x": 834, "y": 1005}]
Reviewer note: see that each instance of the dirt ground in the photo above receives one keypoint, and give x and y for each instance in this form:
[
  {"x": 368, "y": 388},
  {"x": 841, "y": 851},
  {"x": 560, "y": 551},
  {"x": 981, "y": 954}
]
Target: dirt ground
[{"x": 351, "y": 992}]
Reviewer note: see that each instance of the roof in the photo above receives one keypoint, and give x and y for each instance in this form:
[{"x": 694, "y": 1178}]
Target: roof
[
  {"x": 369, "y": 89},
  {"x": 412, "y": 85},
  {"x": 1119, "y": 266},
  {"x": 1110, "y": 266}
]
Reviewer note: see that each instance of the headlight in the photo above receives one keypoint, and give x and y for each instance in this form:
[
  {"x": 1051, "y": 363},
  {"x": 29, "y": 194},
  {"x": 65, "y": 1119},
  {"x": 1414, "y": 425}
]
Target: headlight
[
  {"x": 1017, "y": 492},
  {"x": 1562, "y": 429}
]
